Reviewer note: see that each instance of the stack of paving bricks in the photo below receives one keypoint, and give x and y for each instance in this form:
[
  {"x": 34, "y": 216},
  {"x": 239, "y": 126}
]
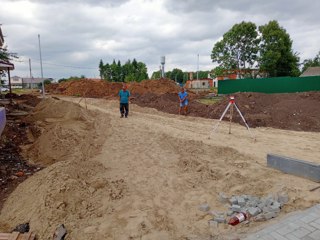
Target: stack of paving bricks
[
  {"x": 259, "y": 209},
  {"x": 17, "y": 236}
]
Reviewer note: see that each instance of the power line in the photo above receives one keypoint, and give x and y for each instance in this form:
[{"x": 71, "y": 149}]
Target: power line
[{"x": 58, "y": 65}]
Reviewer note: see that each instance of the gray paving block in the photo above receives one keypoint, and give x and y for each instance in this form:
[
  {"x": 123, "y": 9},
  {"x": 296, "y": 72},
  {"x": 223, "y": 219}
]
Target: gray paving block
[
  {"x": 292, "y": 237},
  {"x": 241, "y": 201},
  {"x": 296, "y": 167},
  {"x": 233, "y": 200},
  {"x": 315, "y": 235},
  {"x": 253, "y": 211},
  {"x": 315, "y": 225},
  {"x": 309, "y": 218},
  {"x": 220, "y": 219},
  {"x": 301, "y": 232},
  {"x": 278, "y": 236},
  {"x": 204, "y": 207},
  {"x": 288, "y": 228},
  {"x": 236, "y": 208}
]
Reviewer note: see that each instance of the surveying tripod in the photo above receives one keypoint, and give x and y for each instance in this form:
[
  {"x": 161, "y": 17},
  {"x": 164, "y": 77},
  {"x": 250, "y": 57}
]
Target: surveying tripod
[{"x": 232, "y": 104}]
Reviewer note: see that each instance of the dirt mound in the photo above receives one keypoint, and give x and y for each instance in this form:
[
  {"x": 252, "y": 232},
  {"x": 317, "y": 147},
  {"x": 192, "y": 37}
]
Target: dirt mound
[
  {"x": 161, "y": 86},
  {"x": 295, "y": 111},
  {"x": 14, "y": 169},
  {"x": 61, "y": 133},
  {"x": 86, "y": 88},
  {"x": 100, "y": 88}
]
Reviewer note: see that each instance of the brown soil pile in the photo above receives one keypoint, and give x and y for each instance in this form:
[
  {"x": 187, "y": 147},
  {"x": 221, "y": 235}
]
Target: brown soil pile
[
  {"x": 100, "y": 88},
  {"x": 295, "y": 111},
  {"x": 161, "y": 86},
  {"x": 86, "y": 88},
  {"x": 13, "y": 167}
]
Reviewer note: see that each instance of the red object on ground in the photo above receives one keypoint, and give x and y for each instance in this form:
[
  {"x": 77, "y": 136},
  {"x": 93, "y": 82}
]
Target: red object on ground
[
  {"x": 19, "y": 174},
  {"x": 238, "y": 218}
]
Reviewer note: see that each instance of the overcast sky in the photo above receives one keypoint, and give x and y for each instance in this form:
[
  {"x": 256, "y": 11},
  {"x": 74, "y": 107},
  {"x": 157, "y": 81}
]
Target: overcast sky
[{"x": 76, "y": 34}]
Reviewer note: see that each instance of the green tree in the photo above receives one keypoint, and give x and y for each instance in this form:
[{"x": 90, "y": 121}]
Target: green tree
[
  {"x": 218, "y": 71},
  {"x": 239, "y": 47},
  {"x": 276, "y": 54},
  {"x": 156, "y": 75},
  {"x": 101, "y": 69},
  {"x": 311, "y": 62},
  {"x": 130, "y": 71},
  {"x": 176, "y": 75}
]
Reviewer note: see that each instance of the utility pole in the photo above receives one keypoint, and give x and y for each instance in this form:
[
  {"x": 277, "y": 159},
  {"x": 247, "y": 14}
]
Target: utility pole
[
  {"x": 31, "y": 78},
  {"x": 43, "y": 93},
  {"x": 198, "y": 68}
]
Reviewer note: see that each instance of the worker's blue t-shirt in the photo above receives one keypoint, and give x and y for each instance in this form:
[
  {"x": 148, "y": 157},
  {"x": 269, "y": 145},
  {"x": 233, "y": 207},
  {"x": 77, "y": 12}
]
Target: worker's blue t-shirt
[
  {"x": 182, "y": 95},
  {"x": 124, "y": 96}
]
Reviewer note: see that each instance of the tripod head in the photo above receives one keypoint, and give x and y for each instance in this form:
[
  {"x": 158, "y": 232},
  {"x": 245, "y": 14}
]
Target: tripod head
[{"x": 232, "y": 101}]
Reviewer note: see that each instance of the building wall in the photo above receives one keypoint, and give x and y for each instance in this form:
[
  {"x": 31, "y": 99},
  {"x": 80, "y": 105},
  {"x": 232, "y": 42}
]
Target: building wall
[
  {"x": 16, "y": 82},
  {"x": 201, "y": 84}
]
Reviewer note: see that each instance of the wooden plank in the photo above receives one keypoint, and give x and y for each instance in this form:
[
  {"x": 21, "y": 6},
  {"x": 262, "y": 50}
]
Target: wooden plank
[
  {"x": 17, "y": 236},
  {"x": 4, "y": 236},
  {"x": 14, "y": 236},
  {"x": 27, "y": 236}
]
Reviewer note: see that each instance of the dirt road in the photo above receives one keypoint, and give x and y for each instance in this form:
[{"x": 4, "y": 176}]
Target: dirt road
[{"x": 151, "y": 174}]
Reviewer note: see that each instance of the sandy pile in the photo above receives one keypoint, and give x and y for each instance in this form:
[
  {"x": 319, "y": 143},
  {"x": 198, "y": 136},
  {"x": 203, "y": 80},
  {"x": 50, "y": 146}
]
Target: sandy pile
[{"x": 61, "y": 131}]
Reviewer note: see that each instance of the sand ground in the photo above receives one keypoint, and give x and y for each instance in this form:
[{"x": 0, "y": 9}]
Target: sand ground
[{"x": 146, "y": 175}]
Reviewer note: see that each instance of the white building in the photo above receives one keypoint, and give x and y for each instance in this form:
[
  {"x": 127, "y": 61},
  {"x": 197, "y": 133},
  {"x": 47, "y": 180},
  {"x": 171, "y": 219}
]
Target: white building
[{"x": 16, "y": 82}]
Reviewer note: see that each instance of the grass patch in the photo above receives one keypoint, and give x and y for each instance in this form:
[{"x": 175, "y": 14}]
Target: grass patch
[{"x": 209, "y": 101}]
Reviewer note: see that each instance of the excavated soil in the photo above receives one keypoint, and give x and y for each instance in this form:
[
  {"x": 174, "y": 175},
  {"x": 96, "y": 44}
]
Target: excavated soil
[
  {"x": 14, "y": 168},
  {"x": 294, "y": 111}
]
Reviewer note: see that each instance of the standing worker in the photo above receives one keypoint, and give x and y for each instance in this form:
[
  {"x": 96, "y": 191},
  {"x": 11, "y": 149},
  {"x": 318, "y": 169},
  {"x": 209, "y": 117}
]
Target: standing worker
[
  {"x": 124, "y": 95},
  {"x": 183, "y": 98}
]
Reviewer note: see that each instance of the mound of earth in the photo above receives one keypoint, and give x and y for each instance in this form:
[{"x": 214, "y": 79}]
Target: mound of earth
[
  {"x": 294, "y": 111},
  {"x": 161, "y": 86},
  {"x": 101, "y": 88},
  {"x": 61, "y": 133},
  {"x": 85, "y": 88},
  {"x": 14, "y": 169}
]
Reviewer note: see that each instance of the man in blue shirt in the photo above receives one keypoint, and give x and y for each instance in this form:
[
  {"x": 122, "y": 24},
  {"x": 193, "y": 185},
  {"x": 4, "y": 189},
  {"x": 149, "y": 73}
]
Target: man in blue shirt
[
  {"x": 124, "y": 95},
  {"x": 183, "y": 98}
]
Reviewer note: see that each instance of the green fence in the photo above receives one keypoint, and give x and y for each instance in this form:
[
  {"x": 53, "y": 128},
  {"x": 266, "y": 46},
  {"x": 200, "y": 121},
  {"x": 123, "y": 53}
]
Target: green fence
[{"x": 270, "y": 85}]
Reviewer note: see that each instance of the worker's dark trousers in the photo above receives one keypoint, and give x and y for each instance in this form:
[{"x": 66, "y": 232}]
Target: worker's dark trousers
[{"x": 124, "y": 109}]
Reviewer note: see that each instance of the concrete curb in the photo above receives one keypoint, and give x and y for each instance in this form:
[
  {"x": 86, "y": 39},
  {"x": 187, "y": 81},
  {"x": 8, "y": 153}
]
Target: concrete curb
[{"x": 296, "y": 167}]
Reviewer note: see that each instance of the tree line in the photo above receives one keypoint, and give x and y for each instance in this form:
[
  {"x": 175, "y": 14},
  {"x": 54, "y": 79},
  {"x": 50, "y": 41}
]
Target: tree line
[
  {"x": 130, "y": 71},
  {"x": 267, "y": 49}
]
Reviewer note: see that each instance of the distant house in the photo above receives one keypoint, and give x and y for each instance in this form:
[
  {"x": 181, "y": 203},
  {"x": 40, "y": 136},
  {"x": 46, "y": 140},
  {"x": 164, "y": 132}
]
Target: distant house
[
  {"x": 241, "y": 73},
  {"x": 16, "y": 82},
  {"x": 200, "y": 83},
  {"x": 311, "y": 71},
  {"x": 33, "y": 82}
]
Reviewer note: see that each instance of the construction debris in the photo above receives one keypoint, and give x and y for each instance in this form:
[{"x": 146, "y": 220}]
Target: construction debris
[{"x": 258, "y": 209}]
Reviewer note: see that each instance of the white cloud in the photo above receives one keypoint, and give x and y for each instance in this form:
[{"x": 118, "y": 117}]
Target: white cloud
[{"x": 78, "y": 33}]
